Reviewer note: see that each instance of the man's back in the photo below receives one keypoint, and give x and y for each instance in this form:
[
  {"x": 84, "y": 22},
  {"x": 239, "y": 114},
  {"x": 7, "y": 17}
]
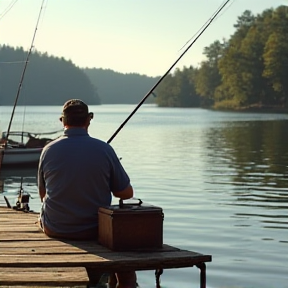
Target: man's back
[{"x": 79, "y": 173}]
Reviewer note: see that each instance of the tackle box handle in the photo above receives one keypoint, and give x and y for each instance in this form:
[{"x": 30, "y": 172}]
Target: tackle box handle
[{"x": 138, "y": 202}]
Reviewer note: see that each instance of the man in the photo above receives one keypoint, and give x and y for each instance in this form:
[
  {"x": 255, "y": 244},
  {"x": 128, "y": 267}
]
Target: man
[{"x": 76, "y": 175}]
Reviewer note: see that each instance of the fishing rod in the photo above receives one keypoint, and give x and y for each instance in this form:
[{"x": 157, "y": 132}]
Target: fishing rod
[
  {"x": 168, "y": 71},
  {"x": 24, "y": 71},
  {"x": 20, "y": 86}
]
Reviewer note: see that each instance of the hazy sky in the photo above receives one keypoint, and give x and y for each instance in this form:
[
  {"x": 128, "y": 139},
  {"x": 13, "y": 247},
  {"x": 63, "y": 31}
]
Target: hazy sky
[{"x": 142, "y": 36}]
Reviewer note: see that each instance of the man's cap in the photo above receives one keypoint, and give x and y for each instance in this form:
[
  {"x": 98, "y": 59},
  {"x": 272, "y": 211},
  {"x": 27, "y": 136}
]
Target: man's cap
[{"x": 75, "y": 108}]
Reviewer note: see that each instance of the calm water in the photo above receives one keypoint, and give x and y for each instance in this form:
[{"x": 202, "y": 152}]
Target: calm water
[{"x": 221, "y": 179}]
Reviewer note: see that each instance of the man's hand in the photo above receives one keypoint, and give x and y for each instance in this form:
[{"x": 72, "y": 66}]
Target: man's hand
[{"x": 124, "y": 194}]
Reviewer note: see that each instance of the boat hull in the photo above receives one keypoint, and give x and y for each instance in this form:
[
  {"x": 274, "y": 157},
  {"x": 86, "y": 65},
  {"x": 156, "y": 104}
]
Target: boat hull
[{"x": 20, "y": 156}]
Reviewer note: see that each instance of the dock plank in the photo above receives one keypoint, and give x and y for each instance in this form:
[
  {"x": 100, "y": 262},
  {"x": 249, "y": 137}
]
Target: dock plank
[
  {"x": 48, "y": 277},
  {"x": 31, "y": 248},
  {"x": 109, "y": 261}
]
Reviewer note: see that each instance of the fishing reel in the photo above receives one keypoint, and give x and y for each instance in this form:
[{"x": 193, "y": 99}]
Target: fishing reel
[{"x": 22, "y": 203}]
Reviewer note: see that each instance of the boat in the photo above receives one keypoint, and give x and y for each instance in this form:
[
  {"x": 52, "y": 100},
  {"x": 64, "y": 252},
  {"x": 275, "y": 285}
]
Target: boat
[
  {"x": 25, "y": 152},
  {"x": 11, "y": 173}
]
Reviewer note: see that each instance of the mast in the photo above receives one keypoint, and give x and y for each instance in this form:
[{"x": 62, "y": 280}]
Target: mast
[
  {"x": 20, "y": 85},
  {"x": 23, "y": 72}
]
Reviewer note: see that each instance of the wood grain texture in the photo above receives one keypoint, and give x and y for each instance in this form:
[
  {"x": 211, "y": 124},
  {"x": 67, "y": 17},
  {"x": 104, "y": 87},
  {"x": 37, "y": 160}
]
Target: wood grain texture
[
  {"x": 43, "y": 277},
  {"x": 28, "y": 256}
]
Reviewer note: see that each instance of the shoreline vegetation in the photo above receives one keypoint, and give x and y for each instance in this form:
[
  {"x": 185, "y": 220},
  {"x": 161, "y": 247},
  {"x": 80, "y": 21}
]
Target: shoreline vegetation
[
  {"x": 256, "y": 108},
  {"x": 265, "y": 109},
  {"x": 246, "y": 73}
]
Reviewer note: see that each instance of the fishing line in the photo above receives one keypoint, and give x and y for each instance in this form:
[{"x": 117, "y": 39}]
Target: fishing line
[
  {"x": 12, "y": 62},
  {"x": 214, "y": 15},
  {"x": 206, "y": 24},
  {"x": 24, "y": 70},
  {"x": 10, "y": 6}
]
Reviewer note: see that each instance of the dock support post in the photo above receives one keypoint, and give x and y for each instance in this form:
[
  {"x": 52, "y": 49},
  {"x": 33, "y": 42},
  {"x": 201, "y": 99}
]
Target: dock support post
[
  {"x": 202, "y": 267},
  {"x": 158, "y": 273}
]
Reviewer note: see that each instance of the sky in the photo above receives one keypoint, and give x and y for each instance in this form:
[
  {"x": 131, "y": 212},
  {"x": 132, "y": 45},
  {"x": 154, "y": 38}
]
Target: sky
[{"x": 127, "y": 36}]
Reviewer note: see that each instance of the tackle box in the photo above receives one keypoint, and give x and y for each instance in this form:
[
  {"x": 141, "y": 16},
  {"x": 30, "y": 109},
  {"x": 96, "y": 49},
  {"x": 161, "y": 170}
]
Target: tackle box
[{"x": 130, "y": 226}]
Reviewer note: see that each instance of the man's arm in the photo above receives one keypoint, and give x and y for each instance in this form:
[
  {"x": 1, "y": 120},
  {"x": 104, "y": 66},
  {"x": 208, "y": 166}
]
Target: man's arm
[
  {"x": 41, "y": 185},
  {"x": 42, "y": 193},
  {"x": 124, "y": 194}
]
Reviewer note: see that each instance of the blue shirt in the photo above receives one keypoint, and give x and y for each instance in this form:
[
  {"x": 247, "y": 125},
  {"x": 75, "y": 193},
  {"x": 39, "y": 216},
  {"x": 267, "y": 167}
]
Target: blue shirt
[{"x": 78, "y": 172}]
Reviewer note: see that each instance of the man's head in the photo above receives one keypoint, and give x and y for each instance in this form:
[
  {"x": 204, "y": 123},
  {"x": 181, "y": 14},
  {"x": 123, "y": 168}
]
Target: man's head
[{"x": 75, "y": 113}]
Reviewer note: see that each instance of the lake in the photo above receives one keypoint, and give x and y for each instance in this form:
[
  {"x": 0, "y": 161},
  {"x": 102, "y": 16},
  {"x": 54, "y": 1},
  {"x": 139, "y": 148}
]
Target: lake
[{"x": 220, "y": 177}]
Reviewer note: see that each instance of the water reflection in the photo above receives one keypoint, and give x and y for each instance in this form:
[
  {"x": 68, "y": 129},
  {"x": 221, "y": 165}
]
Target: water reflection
[
  {"x": 254, "y": 157},
  {"x": 255, "y": 152}
]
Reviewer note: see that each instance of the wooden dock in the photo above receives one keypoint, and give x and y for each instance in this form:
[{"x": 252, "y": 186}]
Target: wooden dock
[{"x": 28, "y": 257}]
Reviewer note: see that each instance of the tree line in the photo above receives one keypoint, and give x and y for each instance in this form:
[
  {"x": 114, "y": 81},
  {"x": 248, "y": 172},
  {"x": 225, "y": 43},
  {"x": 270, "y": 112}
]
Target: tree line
[
  {"x": 249, "y": 70},
  {"x": 50, "y": 80},
  {"x": 47, "y": 80},
  {"x": 118, "y": 88}
]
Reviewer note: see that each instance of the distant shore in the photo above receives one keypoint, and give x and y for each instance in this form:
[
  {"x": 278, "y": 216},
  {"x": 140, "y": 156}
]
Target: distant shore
[{"x": 258, "y": 109}]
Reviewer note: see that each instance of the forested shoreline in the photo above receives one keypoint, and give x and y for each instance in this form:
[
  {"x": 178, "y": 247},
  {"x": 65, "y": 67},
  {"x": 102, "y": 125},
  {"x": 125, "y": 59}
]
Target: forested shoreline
[
  {"x": 246, "y": 72},
  {"x": 52, "y": 80},
  {"x": 48, "y": 80}
]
